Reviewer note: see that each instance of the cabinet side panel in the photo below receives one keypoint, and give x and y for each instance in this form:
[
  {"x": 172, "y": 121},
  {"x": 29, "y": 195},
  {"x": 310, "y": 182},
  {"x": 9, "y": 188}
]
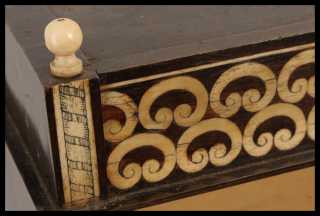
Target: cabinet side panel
[{"x": 27, "y": 105}]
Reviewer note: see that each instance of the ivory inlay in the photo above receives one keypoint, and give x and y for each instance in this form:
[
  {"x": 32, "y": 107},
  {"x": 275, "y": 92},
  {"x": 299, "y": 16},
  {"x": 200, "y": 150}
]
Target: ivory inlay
[
  {"x": 251, "y": 100},
  {"x": 218, "y": 154},
  {"x": 301, "y": 86},
  {"x": 183, "y": 114},
  {"x": 283, "y": 139},
  {"x": 151, "y": 170},
  {"x": 113, "y": 130},
  {"x": 76, "y": 140},
  {"x": 199, "y": 119}
]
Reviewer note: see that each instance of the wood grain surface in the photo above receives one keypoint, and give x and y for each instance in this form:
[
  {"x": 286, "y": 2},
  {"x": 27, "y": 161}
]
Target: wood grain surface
[
  {"x": 118, "y": 37},
  {"x": 289, "y": 191}
]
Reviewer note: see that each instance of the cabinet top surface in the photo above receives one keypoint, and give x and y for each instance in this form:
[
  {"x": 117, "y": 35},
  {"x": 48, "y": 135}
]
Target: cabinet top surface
[{"x": 121, "y": 37}]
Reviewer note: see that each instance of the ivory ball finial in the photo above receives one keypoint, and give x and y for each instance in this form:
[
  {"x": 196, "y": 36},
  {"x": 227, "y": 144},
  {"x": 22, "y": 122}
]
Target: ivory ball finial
[{"x": 63, "y": 37}]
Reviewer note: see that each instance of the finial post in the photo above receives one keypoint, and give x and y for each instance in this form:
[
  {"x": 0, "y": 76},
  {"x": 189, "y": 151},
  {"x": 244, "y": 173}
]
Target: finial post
[{"x": 63, "y": 37}]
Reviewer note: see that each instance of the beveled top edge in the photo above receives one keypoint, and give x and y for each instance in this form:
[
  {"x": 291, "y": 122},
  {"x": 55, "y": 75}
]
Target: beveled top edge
[{"x": 118, "y": 37}]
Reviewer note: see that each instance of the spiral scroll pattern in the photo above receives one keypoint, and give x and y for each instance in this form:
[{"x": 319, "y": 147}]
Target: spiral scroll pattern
[
  {"x": 218, "y": 154},
  {"x": 244, "y": 117},
  {"x": 113, "y": 130},
  {"x": 183, "y": 114},
  {"x": 251, "y": 99},
  {"x": 301, "y": 86},
  {"x": 151, "y": 170},
  {"x": 283, "y": 139}
]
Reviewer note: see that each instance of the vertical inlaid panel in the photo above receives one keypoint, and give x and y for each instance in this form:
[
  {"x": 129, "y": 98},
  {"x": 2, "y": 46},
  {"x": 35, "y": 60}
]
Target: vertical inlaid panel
[{"x": 76, "y": 140}]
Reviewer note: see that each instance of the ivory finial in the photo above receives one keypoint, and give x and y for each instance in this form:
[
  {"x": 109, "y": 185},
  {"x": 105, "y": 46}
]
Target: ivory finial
[{"x": 63, "y": 37}]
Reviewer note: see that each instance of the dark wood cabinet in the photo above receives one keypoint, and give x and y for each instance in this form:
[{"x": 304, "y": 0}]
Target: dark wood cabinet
[{"x": 172, "y": 101}]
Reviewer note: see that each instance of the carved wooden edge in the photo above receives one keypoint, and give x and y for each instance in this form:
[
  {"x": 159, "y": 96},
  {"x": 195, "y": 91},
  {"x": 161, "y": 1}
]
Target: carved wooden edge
[{"x": 76, "y": 140}]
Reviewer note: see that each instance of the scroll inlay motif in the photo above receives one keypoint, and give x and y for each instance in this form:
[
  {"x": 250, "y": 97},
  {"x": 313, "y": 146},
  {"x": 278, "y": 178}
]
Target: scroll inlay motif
[
  {"x": 113, "y": 130},
  {"x": 251, "y": 99},
  {"x": 225, "y": 132},
  {"x": 152, "y": 170},
  {"x": 183, "y": 114},
  {"x": 301, "y": 86},
  {"x": 283, "y": 139},
  {"x": 218, "y": 154}
]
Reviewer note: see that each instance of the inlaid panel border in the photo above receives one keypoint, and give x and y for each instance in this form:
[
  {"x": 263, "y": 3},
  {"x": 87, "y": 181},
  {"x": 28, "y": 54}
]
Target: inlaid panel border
[
  {"x": 206, "y": 66},
  {"x": 76, "y": 140}
]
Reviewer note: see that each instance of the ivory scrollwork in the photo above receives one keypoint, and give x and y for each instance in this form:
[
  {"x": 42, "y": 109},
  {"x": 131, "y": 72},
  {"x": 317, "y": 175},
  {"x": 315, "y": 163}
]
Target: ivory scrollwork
[
  {"x": 311, "y": 124},
  {"x": 251, "y": 99},
  {"x": 283, "y": 138},
  {"x": 300, "y": 86},
  {"x": 151, "y": 170},
  {"x": 113, "y": 130},
  {"x": 183, "y": 114},
  {"x": 218, "y": 154}
]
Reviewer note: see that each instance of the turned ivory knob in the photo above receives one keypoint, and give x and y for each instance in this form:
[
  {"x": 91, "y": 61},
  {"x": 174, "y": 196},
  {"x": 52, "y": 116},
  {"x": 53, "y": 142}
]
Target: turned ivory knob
[{"x": 63, "y": 37}]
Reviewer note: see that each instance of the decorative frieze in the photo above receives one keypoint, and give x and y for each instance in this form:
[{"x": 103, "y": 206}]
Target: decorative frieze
[{"x": 159, "y": 117}]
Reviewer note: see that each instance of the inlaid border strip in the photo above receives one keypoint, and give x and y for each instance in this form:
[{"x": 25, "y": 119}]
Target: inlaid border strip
[
  {"x": 206, "y": 66},
  {"x": 76, "y": 140}
]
